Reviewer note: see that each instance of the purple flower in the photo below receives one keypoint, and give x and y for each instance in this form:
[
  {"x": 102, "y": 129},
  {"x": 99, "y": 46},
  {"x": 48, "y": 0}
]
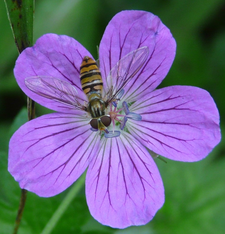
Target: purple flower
[{"x": 123, "y": 184}]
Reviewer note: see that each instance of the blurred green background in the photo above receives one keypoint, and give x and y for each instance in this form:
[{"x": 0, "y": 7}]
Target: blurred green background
[{"x": 195, "y": 192}]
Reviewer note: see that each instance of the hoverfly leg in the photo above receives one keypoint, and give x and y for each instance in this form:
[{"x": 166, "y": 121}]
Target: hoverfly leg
[{"x": 102, "y": 127}]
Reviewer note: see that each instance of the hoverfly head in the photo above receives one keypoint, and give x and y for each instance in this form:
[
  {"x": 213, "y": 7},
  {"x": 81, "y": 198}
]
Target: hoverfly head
[{"x": 101, "y": 123}]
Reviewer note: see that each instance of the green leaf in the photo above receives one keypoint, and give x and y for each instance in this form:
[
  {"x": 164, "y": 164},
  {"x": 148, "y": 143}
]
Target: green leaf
[
  {"x": 9, "y": 199},
  {"x": 194, "y": 197},
  {"x": 20, "y": 13},
  {"x": 38, "y": 210},
  {"x": 64, "y": 205}
]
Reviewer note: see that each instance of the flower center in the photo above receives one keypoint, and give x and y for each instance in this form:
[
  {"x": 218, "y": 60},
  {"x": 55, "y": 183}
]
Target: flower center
[{"x": 119, "y": 117}]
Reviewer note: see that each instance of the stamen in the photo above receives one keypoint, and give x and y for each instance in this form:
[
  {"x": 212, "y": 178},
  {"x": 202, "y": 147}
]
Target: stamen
[
  {"x": 123, "y": 123},
  {"x": 120, "y": 94},
  {"x": 134, "y": 116},
  {"x": 126, "y": 109},
  {"x": 94, "y": 129},
  {"x": 118, "y": 115},
  {"x": 114, "y": 104},
  {"x": 112, "y": 134}
]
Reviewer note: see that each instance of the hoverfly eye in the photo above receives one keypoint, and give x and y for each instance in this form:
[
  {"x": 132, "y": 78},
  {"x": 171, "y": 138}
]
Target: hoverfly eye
[
  {"x": 94, "y": 123},
  {"x": 106, "y": 120}
]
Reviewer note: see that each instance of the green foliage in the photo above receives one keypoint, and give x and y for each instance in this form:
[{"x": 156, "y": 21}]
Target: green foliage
[
  {"x": 21, "y": 16},
  {"x": 194, "y": 197},
  {"x": 194, "y": 191}
]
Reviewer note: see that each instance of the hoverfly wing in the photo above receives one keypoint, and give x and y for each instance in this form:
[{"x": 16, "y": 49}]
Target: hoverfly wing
[
  {"x": 125, "y": 69},
  {"x": 55, "y": 89}
]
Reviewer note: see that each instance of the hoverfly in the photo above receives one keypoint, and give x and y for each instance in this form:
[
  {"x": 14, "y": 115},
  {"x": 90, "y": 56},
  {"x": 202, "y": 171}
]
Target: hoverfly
[{"x": 92, "y": 85}]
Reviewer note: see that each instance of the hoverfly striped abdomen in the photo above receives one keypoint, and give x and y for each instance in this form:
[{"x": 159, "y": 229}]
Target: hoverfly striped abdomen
[
  {"x": 91, "y": 79},
  {"x": 92, "y": 86}
]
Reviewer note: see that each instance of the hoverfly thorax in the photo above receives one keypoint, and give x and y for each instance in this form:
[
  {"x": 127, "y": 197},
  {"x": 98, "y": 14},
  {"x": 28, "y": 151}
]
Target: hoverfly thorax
[
  {"x": 92, "y": 86},
  {"x": 96, "y": 108}
]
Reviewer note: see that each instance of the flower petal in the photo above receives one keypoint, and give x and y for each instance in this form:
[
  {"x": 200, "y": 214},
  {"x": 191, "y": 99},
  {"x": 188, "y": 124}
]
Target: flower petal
[
  {"x": 47, "y": 154},
  {"x": 129, "y": 30},
  {"x": 178, "y": 122},
  {"x": 123, "y": 184},
  {"x": 52, "y": 56}
]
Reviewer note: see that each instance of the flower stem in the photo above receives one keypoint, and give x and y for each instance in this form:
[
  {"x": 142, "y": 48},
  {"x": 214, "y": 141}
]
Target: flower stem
[
  {"x": 21, "y": 16},
  {"x": 64, "y": 205},
  {"x": 20, "y": 210},
  {"x": 30, "y": 109}
]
